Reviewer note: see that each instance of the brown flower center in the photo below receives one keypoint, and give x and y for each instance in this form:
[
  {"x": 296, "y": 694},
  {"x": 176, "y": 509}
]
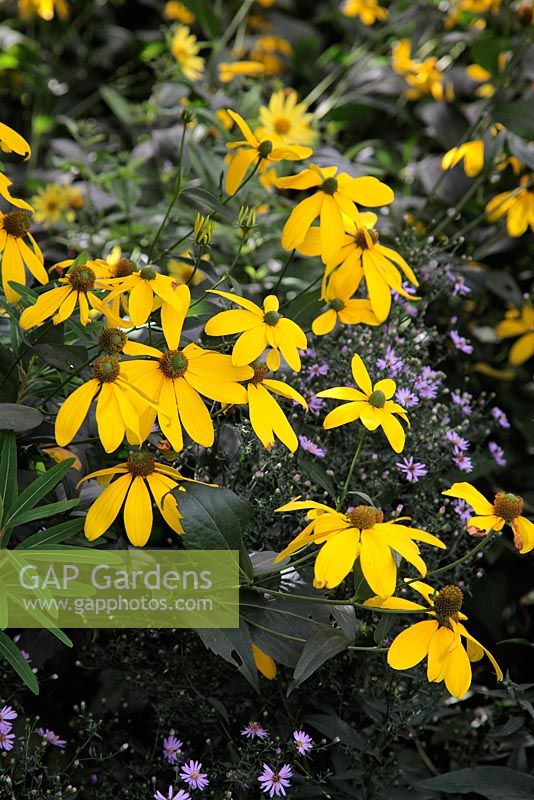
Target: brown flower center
[
  {"x": 112, "y": 340},
  {"x": 329, "y": 186},
  {"x": 123, "y": 268},
  {"x": 360, "y": 240},
  {"x": 106, "y": 369},
  {"x": 140, "y": 463},
  {"x": 260, "y": 372},
  {"x": 447, "y": 603},
  {"x": 377, "y": 399},
  {"x": 364, "y": 517},
  {"x": 173, "y": 364},
  {"x": 81, "y": 278},
  {"x": 282, "y": 125},
  {"x": 508, "y": 506},
  {"x": 17, "y": 223}
]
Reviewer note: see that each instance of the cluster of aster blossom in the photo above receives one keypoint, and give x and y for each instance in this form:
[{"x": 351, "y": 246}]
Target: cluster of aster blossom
[{"x": 7, "y": 737}]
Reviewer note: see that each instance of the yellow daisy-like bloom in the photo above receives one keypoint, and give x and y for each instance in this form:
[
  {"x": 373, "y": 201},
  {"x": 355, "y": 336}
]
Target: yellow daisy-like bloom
[
  {"x": 61, "y": 302},
  {"x": 230, "y": 70},
  {"x": 178, "y": 13},
  {"x": 50, "y": 203},
  {"x": 439, "y": 639},
  {"x": 335, "y": 196},
  {"x": 147, "y": 289},
  {"x": 472, "y": 155},
  {"x": 43, "y": 8},
  {"x": 266, "y": 417},
  {"x": 256, "y": 150},
  {"x": 12, "y": 142},
  {"x": 285, "y": 121},
  {"x": 120, "y": 407},
  {"x": 423, "y": 77},
  {"x": 359, "y": 533},
  {"x": 176, "y": 379},
  {"x": 367, "y": 11},
  {"x": 259, "y": 328},
  {"x": 74, "y": 200},
  {"x": 519, "y": 323},
  {"x": 183, "y": 272},
  {"x": 362, "y": 257},
  {"x": 264, "y": 663},
  {"x": 185, "y": 50},
  {"x": 505, "y": 510},
  {"x": 518, "y": 206},
  {"x": 138, "y": 475},
  {"x": 15, "y": 253},
  {"x": 271, "y": 52},
  {"x": 372, "y": 405},
  {"x": 341, "y": 305}
]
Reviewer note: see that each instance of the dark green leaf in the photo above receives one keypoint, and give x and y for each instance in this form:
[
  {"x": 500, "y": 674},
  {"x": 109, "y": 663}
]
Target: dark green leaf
[
  {"x": 332, "y": 726},
  {"x": 57, "y": 533},
  {"x": 234, "y": 645},
  {"x": 62, "y": 356},
  {"x": 317, "y": 474},
  {"x": 517, "y": 116},
  {"x": 8, "y": 467},
  {"x": 48, "y": 510},
  {"x": 15, "y": 417},
  {"x": 12, "y": 654},
  {"x": 37, "y": 490},
  {"x": 494, "y": 783},
  {"x": 324, "y": 643}
]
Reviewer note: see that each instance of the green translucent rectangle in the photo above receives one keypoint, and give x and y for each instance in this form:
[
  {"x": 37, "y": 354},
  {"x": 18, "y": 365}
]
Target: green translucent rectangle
[{"x": 84, "y": 588}]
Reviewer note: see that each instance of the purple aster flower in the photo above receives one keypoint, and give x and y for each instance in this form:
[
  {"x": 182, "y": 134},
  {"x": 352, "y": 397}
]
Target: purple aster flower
[
  {"x": 458, "y": 441},
  {"x": 462, "y": 401},
  {"x": 6, "y": 740},
  {"x": 303, "y": 742},
  {"x": 464, "y": 511},
  {"x": 180, "y": 794},
  {"x": 51, "y": 738},
  {"x": 497, "y": 453},
  {"x": 192, "y": 775},
  {"x": 6, "y": 715},
  {"x": 275, "y": 783},
  {"x": 315, "y": 405},
  {"x": 311, "y": 447},
  {"x": 413, "y": 470},
  {"x": 254, "y": 731},
  {"x": 406, "y": 398},
  {"x": 390, "y": 363},
  {"x": 172, "y": 748},
  {"x": 26, "y": 656},
  {"x": 463, "y": 462},
  {"x": 427, "y": 383},
  {"x": 316, "y": 370},
  {"x": 500, "y": 417},
  {"x": 309, "y": 353},
  {"x": 460, "y": 287},
  {"x": 461, "y": 343}
]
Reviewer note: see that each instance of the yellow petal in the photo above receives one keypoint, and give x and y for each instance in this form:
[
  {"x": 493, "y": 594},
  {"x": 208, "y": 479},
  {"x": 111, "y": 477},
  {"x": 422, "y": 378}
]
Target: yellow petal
[
  {"x": 194, "y": 415},
  {"x": 360, "y": 374},
  {"x": 237, "y": 169},
  {"x": 394, "y": 431},
  {"x": 160, "y": 486},
  {"x": 44, "y": 308},
  {"x": 250, "y": 345},
  {"x": 457, "y": 672},
  {"x": 73, "y": 412},
  {"x": 108, "y": 419},
  {"x": 441, "y": 645},
  {"x": 228, "y": 322},
  {"x": 336, "y": 559},
  {"x": 411, "y": 646},
  {"x": 264, "y": 663},
  {"x": 332, "y": 228},
  {"x": 349, "y": 412},
  {"x": 378, "y": 564},
  {"x": 300, "y": 219},
  {"x": 138, "y": 513},
  {"x": 107, "y": 505},
  {"x": 140, "y": 302},
  {"x": 14, "y": 141},
  {"x": 477, "y": 501}
]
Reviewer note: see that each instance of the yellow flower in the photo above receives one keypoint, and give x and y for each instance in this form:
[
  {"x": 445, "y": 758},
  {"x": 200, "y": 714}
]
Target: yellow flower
[
  {"x": 225, "y": 119},
  {"x": 335, "y": 196},
  {"x": 472, "y": 155},
  {"x": 372, "y": 405},
  {"x": 361, "y": 256},
  {"x": 120, "y": 407},
  {"x": 519, "y": 323},
  {"x": 74, "y": 200},
  {"x": 254, "y": 149},
  {"x": 12, "y": 142},
  {"x": 185, "y": 50},
  {"x": 518, "y": 206},
  {"x": 50, "y": 202},
  {"x": 137, "y": 475},
  {"x": 438, "y": 638},
  {"x": 178, "y": 12},
  {"x": 264, "y": 663},
  {"x": 16, "y": 254},
  {"x": 177, "y": 378},
  {"x": 259, "y": 328},
  {"x": 228, "y": 71},
  {"x": 359, "y": 533},
  {"x": 183, "y": 272},
  {"x": 271, "y": 51},
  {"x": 147, "y": 288},
  {"x": 423, "y": 77},
  {"x": 60, "y": 303},
  {"x": 266, "y": 417},
  {"x": 43, "y": 8},
  {"x": 341, "y": 305},
  {"x": 505, "y": 510},
  {"x": 368, "y": 11},
  {"x": 285, "y": 121}
]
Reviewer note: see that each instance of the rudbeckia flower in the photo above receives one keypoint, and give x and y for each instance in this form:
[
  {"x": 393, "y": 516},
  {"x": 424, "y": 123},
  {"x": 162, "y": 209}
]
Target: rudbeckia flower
[
  {"x": 176, "y": 380},
  {"x": 50, "y": 203},
  {"x": 266, "y": 417},
  {"x": 367, "y": 11},
  {"x": 120, "y": 407},
  {"x": 335, "y": 195},
  {"x": 147, "y": 288},
  {"x": 423, "y": 77},
  {"x": 177, "y": 12},
  {"x": 472, "y": 155},
  {"x": 505, "y": 510},
  {"x": 518, "y": 206},
  {"x": 519, "y": 323},
  {"x": 230, "y": 70},
  {"x": 12, "y": 142},
  {"x": 341, "y": 305},
  {"x": 254, "y": 150},
  {"x": 16, "y": 254},
  {"x": 138, "y": 475},
  {"x": 370, "y": 404},
  {"x": 259, "y": 328},
  {"x": 359, "y": 533},
  {"x": 185, "y": 50},
  {"x": 285, "y": 121},
  {"x": 439, "y": 638},
  {"x": 61, "y": 302}
]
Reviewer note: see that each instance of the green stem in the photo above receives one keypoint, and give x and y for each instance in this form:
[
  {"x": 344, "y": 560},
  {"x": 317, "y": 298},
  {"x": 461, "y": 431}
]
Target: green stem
[
  {"x": 284, "y": 270},
  {"x": 490, "y": 537},
  {"x": 356, "y": 456},
  {"x": 327, "y": 602},
  {"x": 176, "y": 194}
]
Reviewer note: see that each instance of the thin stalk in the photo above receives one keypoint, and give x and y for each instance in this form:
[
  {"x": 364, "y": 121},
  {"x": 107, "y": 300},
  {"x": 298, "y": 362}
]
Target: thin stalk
[{"x": 346, "y": 485}]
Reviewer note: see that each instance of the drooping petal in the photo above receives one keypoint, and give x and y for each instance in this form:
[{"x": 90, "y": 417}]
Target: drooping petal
[
  {"x": 138, "y": 515},
  {"x": 194, "y": 415},
  {"x": 336, "y": 559},
  {"x": 160, "y": 486},
  {"x": 73, "y": 412},
  {"x": 394, "y": 432},
  {"x": 411, "y": 645},
  {"x": 300, "y": 219},
  {"x": 332, "y": 228},
  {"x": 44, "y": 308},
  {"x": 477, "y": 501},
  {"x": 228, "y": 322},
  {"x": 360, "y": 374},
  {"x": 441, "y": 645},
  {"x": 378, "y": 564},
  {"x": 348, "y": 412},
  {"x": 140, "y": 302},
  {"x": 107, "y": 505},
  {"x": 250, "y": 345},
  {"x": 457, "y": 672},
  {"x": 109, "y": 419},
  {"x": 237, "y": 169}
]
